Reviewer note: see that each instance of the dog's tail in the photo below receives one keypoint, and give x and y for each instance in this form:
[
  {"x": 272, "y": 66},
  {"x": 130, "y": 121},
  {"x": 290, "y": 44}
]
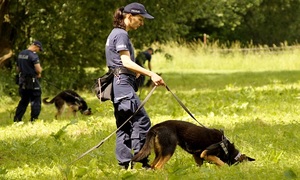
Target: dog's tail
[
  {"x": 146, "y": 149},
  {"x": 48, "y": 102}
]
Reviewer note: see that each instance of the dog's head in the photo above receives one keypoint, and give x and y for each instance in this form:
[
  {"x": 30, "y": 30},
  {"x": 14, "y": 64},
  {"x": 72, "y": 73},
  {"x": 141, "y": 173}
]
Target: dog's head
[
  {"x": 83, "y": 108},
  {"x": 234, "y": 156},
  {"x": 88, "y": 111}
]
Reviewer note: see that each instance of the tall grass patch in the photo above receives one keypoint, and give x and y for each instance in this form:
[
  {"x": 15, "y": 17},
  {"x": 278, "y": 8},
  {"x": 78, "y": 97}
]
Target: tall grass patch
[
  {"x": 253, "y": 96},
  {"x": 196, "y": 57}
]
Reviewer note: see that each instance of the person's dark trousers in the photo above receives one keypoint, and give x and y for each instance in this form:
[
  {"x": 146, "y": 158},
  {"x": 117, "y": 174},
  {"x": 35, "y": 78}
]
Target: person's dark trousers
[
  {"x": 28, "y": 96},
  {"x": 131, "y": 137}
]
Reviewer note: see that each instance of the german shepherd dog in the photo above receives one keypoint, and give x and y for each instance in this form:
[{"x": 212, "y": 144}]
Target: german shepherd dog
[
  {"x": 203, "y": 143},
  {"x": 71, "y": 99}
]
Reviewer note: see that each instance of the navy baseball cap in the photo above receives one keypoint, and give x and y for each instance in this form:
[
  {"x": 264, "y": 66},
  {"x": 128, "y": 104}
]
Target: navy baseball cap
[
  {"x": 137, "y": 8},
  {"x": 38, "y": 44}
]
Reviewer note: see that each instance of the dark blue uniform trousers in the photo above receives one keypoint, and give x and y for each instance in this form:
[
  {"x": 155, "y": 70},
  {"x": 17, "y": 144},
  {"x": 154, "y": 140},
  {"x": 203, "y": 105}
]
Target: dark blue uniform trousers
[
  {"x": 32, "y": 96},
  {"x": 131, "y": 137}
]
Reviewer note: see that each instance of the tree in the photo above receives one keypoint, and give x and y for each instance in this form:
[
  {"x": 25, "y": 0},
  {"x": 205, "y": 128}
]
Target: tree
[
  {"x": 5, "y": 33},
  {"x": 74, "y": 32},
  {"x": 256, "y": 21},
  {"x": 271, "y": 22}
]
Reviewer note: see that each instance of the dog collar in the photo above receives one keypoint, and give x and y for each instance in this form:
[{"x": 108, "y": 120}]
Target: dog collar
[
  {"x": 224, "y": 145},
  {"x": 237, "y": 156},
  {"x": 84, "y": 111}
]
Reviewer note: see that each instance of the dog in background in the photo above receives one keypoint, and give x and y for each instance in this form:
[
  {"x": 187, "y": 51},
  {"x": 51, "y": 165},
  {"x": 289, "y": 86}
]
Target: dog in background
[
  {"x": 203, "y": 143},
  {"x": 150, "y": 83},
  {"x": 140, "y": 82},
  {"x": 68, "y": 98}
]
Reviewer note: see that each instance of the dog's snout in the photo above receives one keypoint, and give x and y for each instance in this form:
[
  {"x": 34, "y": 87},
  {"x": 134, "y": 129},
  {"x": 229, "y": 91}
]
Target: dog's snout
[{"x": 88, "y": 111}]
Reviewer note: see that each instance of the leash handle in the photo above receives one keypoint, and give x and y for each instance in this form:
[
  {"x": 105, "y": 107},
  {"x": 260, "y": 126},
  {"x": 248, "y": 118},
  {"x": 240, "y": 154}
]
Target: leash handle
[
  {"x": 99, "y": 144},
  {"x": 183, "y": 106}
]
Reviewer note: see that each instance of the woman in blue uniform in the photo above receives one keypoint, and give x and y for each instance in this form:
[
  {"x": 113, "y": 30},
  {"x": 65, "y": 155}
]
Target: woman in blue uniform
[{"x": 120, "y": 57}]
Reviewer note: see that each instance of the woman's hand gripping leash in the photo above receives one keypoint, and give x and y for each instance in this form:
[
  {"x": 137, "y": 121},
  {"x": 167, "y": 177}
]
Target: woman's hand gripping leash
[{"x": 157, "y": 80}]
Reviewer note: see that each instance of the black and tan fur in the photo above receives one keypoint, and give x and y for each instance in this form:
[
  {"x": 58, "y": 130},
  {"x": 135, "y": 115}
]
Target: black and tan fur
[
  {"x": 203, "y": 143},
  {"x": 71, "y": 99}
]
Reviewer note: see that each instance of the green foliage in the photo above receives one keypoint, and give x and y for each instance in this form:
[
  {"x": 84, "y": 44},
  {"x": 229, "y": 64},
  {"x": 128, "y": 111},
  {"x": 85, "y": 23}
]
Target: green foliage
[
  {"x": 255, "y": 21},
  {"x": 62, "y": 131},
  {"x": 74, "y": 32},
  {"x": 3, "y": 171},
  {"x": 8, "y": 85},
  {"x": 267, "y": 22},
  {"x": 253, "y": 97}
]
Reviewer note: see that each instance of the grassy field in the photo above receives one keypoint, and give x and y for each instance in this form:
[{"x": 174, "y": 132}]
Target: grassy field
[{"x": 253, "y": 96}]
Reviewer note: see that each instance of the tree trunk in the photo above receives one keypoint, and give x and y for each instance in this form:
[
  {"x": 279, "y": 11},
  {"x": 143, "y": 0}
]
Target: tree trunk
[{"x": 5, "y": 33}]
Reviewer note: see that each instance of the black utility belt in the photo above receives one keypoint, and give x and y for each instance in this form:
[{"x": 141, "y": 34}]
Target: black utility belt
[
  {"x": 123, "y": 70},
  {"x": 28, "y": 75}
]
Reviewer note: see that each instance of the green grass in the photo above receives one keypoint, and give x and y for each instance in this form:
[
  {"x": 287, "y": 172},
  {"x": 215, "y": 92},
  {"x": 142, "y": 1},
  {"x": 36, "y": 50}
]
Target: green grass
[
  {"x": 196, "y": 58},
  {"x": 253, "y": 97}
]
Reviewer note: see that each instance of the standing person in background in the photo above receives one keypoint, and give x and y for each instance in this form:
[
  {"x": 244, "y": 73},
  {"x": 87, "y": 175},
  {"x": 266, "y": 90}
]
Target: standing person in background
[
  {"x": 30, "y": 70},
  {"x": 120, "y": 58},
  {"x": 141, "y": 59}
]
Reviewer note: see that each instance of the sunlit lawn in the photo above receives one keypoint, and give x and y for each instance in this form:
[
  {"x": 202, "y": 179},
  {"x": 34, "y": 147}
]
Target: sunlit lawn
[{"x": 253, "y": 97}]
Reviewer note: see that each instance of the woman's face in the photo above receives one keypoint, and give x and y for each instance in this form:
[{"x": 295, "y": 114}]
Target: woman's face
[{"x": 135, "y": 21}]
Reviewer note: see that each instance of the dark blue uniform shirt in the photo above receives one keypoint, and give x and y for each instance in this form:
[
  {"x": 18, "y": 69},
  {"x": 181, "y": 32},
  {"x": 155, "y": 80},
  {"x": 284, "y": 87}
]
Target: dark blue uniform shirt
[
  {"x": 117, "y": 41},
  {"x": 26, "y": 61}
]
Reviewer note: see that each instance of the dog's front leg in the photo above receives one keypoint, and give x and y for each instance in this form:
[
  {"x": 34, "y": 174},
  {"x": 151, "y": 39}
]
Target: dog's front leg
[
  {"x": 212, "y": 158},
  {"x": 74, "y": 109},
  {"x": 198, "y": 160}
]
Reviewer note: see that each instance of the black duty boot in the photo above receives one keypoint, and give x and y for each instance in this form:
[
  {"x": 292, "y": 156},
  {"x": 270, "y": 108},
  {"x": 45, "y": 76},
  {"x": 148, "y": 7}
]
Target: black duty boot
[
  {"x": 145, "y": 164},
  {"x": 124, "y": 165},
  {"x": 17, "y": 119},
  {"x": 32, "y": 120}
]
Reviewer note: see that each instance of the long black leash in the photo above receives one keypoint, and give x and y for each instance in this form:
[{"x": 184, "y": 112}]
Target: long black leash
[
  {"x": 141, "y": 105},
  {"x": 222, "y": 143},
  {"x": 183, "y": 106},
  {"x": 50, "y": 83},
  {"x": 100, "y": 143}
]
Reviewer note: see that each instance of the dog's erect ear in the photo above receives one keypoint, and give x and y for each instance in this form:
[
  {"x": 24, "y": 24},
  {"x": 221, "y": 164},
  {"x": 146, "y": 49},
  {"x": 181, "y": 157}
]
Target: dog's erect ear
[
  {"x": 250, "y": 159},
  {"x": 245, "y": 158}
]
